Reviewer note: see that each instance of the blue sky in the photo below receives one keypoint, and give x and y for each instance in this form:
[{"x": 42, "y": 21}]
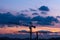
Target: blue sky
[
  {"x": 18, "y": 5},
  {"x": 25, "y": 4}
]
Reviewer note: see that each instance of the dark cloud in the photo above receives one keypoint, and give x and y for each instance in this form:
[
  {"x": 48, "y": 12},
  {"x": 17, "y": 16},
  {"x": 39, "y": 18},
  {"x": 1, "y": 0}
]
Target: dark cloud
[
  {"x": 35, "y": 14},
  {"x": 58, "y": 16},
  {"x": 44, "y": 8},
  {"x": 43, "y": 31},
  {"x": 43, "y": 13},
  {"x": 51, "y": 18},
  {"x": 22, "y": 19},
  {"x": 23, "y": 31},
  {"x": 9, "y": 19},
  {"x": 37, "y": 18},
  {"x": 32, "y": 9},
  {"x": 45, "y": 20},
  {"x": 6, "y": 18}
]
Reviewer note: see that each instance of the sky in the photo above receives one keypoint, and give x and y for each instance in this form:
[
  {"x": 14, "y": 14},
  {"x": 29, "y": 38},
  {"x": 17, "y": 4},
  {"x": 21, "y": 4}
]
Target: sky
[
  {"x": 18, "y": 5},
  {"x": 14, "y": 30},
  {"x": 25, "y": 4}
]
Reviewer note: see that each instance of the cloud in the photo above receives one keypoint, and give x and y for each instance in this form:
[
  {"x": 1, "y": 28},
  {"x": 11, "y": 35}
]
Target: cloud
[
  {"x": 44, "y": 8},
  {"x": 9, "y": 19},
  {"x": 45, "y": 20},
  {"x": 23, "y": 31},
  {"x": 21, "y": 19},
  {"x": 58, "y": 16},
  {"x": 35, "y": 14},
  {"x": 32, "y": 9},
  {"x": 44, "y": 31}
]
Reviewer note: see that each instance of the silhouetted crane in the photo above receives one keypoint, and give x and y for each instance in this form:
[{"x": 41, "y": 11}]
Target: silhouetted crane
[{"x": 30, "y": 27}]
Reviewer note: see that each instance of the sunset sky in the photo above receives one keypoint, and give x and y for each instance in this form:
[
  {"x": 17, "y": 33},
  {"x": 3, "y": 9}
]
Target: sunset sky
[{"x": 18, "y": 5}]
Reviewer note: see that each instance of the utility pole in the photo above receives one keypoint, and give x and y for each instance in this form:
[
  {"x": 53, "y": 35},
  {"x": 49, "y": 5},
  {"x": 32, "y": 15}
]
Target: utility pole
[{"x": 36, "y": 35}]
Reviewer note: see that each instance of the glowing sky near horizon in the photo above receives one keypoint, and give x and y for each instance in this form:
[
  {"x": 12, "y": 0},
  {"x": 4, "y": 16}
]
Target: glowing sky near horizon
[{"x": 14, "y": 30}]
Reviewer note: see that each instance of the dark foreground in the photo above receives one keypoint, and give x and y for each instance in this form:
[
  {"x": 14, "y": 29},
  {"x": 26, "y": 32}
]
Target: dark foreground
[{"x": 6, "y": 38}]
